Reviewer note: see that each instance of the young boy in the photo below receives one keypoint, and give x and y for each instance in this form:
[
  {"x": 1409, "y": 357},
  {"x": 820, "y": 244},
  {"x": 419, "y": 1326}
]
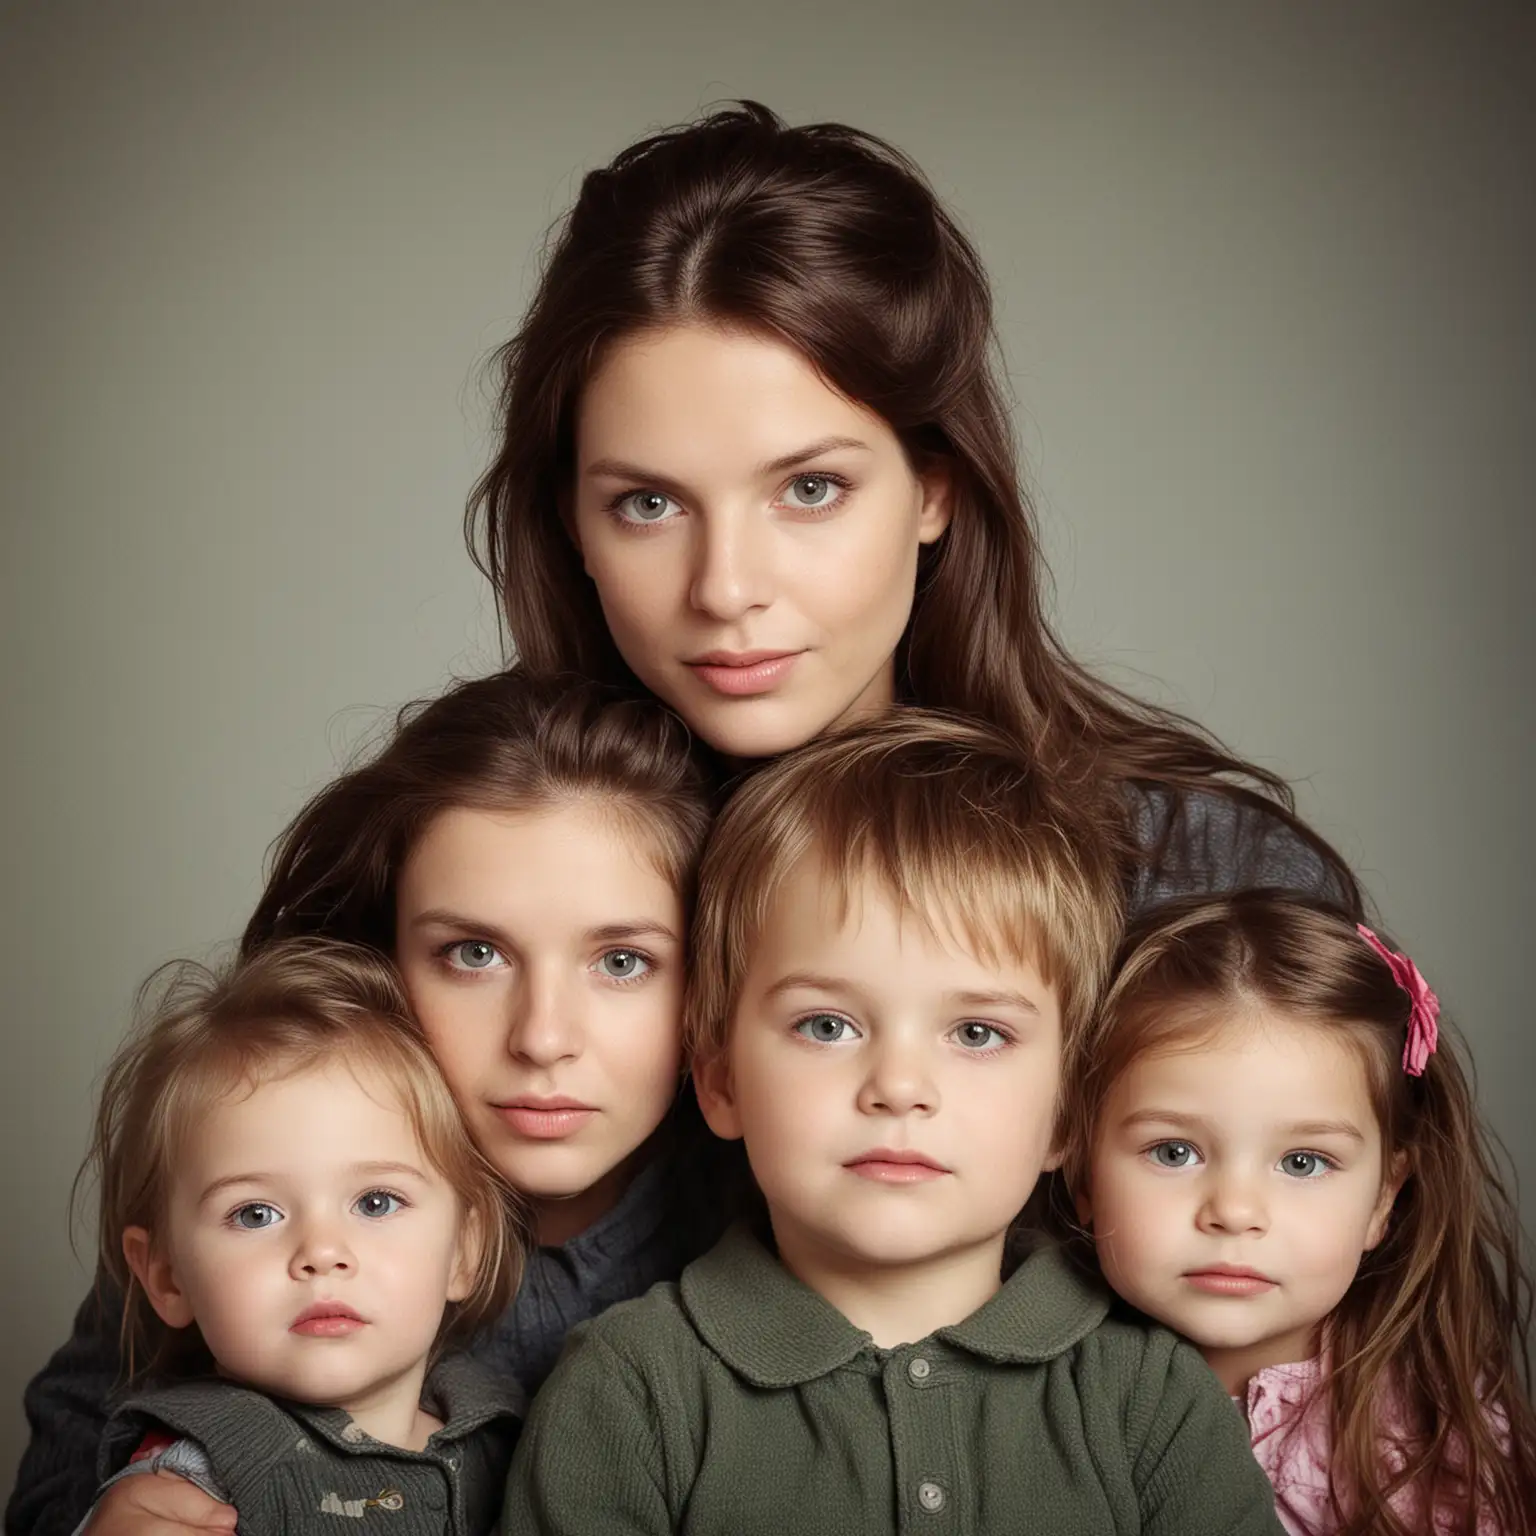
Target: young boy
[{"x": 901, "y": 936}]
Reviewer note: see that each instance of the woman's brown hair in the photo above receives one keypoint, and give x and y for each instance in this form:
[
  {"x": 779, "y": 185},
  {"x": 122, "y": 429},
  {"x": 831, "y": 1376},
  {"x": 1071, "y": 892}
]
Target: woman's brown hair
[
  {"x": 1438, "y": 1317},
  {"x": 830, "y": 240},
  {"x": 203, "y": 1036},
  {"x": 510, "y": 742}
]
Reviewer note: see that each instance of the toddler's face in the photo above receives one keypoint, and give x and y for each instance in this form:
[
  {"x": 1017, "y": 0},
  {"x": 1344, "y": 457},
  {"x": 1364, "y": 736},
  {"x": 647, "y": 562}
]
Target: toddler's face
[
  {"x": 543, "y": 953},
  {"x": 897, "y": 1096},
  {"x": 312, "y": 1242},
  {"x": 1234, "y": 1187}
]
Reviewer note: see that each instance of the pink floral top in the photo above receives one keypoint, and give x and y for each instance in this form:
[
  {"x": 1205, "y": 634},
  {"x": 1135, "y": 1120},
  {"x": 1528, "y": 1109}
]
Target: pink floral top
[{"x": 1287, "y": 1415}]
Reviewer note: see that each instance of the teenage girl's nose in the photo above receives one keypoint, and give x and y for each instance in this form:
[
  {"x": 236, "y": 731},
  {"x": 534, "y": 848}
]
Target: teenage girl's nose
[
  {"x": 731, "y": 556},
  {"x": 1232, "y": 1201},
  {"x": 322, "y": 1248},
  {"x": 543, "y": 1026},
  {"x": 898, "y": 1080}
]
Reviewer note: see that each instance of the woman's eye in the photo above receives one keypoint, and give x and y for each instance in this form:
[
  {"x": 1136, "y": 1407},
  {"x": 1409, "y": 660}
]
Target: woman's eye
[
  {"x": 811, "y": 491},
  {"x": 646, "y": 507},
  {"x": 256, "y": 1216},
  {"x": 975, "y": 1036},
  {"x": 623, "y": 964},
  {"x": 474, "y": 955},
  {"x": 826, "y": 1029},
  {"x": 377, "y": 1202},
  {"x": 1173, "y": 1154},
  {"x": 1304, "y": 1165}
]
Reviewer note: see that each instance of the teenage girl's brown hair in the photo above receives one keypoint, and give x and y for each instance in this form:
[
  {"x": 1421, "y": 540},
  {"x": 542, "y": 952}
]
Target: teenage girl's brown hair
[
  {"x": 515, "y": 741},
  {"x": 290, "y": 1008},
  {"x": 950, "y": 819},
  {"x": 1438, "y": 1316},
  {"x": 830, "y": 240}
]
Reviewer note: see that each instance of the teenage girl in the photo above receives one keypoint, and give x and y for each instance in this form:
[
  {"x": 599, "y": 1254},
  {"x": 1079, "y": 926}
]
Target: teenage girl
[{"x": 1283, "y": 1161}]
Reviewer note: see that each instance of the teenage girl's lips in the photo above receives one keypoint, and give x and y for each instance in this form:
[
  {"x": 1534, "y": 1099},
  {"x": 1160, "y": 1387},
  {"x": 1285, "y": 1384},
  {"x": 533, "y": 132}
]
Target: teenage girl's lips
[
  {"x": 327, "y": 1320},
  {"x": 883, "y": 1165},
  {"x": 550, "y": 1119},
  {"x": 743, "y": 673},
  {"x": 1230, "y": 1280}
]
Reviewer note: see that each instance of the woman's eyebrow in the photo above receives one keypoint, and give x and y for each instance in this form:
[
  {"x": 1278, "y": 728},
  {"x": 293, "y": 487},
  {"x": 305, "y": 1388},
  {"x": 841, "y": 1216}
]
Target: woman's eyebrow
[
  {"x": 641, "y": 928},
  {"x": 624, "y": 469}
]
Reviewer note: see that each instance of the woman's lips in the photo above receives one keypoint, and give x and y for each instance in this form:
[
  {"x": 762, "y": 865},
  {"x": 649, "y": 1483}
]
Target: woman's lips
[
  {"x": 743, "y": 673},
  {"x": 545, "y": 1119},
  {"x": 327, "y": 1320},
  {"x": 884, "y": 1166},
  {"x": 1229, "y": 1280}
]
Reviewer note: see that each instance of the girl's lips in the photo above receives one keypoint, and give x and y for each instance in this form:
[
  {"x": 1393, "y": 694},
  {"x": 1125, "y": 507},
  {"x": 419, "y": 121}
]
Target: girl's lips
[
  {"x": 1230, "y": 1282},
  {"x": 327, "y": 1320},
  {"x": 549, "y": 1121},
  {"x": 749, "y": 673}
]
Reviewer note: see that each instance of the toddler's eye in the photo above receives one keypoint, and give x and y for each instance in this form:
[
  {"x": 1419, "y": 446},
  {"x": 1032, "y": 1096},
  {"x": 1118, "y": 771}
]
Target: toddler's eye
[
  {"x": 1304, "y": 1165},
  {"x": 826, "y": 1029},
  {"x": 645, "y": 507},
  {"x": 377, "y": 1202},
  {"x": 623, "y": 964},
  {"x": 1173, "y": 1154},
  {"x": 255, "y": 1216},
  {"x": 474, "y": 955},
  {"x": 976, "y": 1036},
  {"x": 808, "y": 491}
]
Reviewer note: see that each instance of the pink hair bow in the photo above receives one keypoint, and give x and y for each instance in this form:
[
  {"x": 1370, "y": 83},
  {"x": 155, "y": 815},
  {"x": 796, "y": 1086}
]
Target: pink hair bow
[{"x": 1424, "y": 1009}]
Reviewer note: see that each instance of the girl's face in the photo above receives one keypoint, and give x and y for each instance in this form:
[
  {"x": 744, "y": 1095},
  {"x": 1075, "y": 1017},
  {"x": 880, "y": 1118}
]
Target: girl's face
[
  {"x": 543, "y": 951},
  {"x": 1235, "y": 1185},
  {"x": 752, "y": 534}
]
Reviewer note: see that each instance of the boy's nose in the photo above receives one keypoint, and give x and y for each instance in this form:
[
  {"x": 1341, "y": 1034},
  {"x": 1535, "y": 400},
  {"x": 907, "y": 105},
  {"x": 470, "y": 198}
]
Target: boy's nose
[{"x": 898, "y": 1083}]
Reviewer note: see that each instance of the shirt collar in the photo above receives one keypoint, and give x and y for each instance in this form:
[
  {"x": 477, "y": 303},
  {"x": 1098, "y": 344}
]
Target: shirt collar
[{"x": 777, "y": 1332}]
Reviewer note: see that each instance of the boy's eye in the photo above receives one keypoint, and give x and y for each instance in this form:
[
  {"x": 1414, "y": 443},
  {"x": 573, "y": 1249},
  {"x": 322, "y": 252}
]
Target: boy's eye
[
  {"x": 826, "y": 1029},
  {"x": 623, "y": 964},
  {"x": 255, "y": 1216},
  {"x": 377, "y": 1202},
  {"x": 976, "y": 1036},
  {"x": 474, "y": 955},
  {"x": 1304, "y": 1165},
  {"x": 1173, "y": 1154}
]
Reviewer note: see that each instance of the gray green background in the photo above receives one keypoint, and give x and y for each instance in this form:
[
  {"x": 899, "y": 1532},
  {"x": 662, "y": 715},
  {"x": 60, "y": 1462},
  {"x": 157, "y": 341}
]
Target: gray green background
[{"x": 1264, "y": 286}]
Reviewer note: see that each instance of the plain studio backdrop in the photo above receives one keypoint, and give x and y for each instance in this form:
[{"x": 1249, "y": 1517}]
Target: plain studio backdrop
[{"x": 1264, "y": 290}]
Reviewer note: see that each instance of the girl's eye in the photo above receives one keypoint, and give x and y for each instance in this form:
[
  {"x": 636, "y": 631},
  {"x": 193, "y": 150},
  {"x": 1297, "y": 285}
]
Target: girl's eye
[
  {"x": 826, "y": 1029},
  {"x": 256, "y": 1216},
  {"x": 645, "y": 507},
  {"x": 623, "y": 964},
  {"x": 812, "y": 492},
  {"x": 976, "y": 1036},
  {"x": 1304, "y": 1165},
  {"x": 376, "y": 1203},
  {"x": 1174, "y": 1154},
  {"x": 474, "y": 955}
]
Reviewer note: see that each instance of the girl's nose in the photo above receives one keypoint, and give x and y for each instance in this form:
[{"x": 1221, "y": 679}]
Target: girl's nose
[
  {"x": 322, "y": 1250},
  {"x": 1232, "y": 1202},
  {"x": 544, "y": 1027}
]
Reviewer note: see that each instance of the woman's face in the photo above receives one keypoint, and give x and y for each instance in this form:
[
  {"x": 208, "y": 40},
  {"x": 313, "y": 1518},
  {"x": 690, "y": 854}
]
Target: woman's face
[
  {"x": 752, "y": 534},
  {"x": 543, "y": 954}
]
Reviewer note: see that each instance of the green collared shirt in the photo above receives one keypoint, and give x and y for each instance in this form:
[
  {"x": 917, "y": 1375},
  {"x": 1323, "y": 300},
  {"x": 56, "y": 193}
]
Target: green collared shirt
[{"x": 739, "y": 1402}]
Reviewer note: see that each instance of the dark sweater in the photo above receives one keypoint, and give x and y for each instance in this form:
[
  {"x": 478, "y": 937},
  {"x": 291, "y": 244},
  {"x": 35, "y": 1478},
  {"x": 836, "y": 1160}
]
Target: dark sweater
[{"x": 1211, "y": 843}]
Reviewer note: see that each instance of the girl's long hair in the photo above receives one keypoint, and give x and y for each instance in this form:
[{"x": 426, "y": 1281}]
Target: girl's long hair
[
  {"x": 1437, "y": 1320},
  {"x": 830, "y": 240}
]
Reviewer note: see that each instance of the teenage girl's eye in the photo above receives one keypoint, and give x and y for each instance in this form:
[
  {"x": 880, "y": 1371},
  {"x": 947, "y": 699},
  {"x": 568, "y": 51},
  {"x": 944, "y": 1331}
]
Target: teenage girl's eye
[
  {"x": 255, "y": 1217},
  {"x": 976, "y": 1036},
  {"x": 623, "y": 964},
  {"x": 826, "y": 1029},
  {"x": 376, "y": 1203},
  {"x": 645, "y": 507},
  {"x": 1173, "y": 1154},
  {"x": 473, "y": 955},
  {"x": 1305, "y": 1165},
  {"x": 813, "y": 493}
]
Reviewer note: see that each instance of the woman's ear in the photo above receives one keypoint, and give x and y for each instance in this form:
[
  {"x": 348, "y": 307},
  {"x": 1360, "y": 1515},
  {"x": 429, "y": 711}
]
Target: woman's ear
[
  {"x": 157, "y": 1278},
  {"x": 937, "y": 479},
  {"x": 716, "y": 1095},
  {"x": 1391, "y": 1184}
]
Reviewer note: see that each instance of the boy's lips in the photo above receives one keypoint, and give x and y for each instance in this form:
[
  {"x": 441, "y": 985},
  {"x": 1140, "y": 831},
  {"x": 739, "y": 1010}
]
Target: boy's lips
[
  {"x": 887, "y": 1165},
  {"x": 1229, "y": 1280},
  {"x": 327, "y": 1320}
]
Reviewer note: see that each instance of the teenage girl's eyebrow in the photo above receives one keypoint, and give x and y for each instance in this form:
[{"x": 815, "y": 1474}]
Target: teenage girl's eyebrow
[
  {"x": 632, "y": 929},
  {"x": 619, "y": 933},
  {"x": 624, "y": 469}
]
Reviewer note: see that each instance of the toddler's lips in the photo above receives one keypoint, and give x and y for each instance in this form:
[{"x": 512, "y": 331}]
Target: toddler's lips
[
  {"x": 327, "y": 1320},
  {"x": 1230, "y": 1280},
  {"x": 885, "y": 1166}
]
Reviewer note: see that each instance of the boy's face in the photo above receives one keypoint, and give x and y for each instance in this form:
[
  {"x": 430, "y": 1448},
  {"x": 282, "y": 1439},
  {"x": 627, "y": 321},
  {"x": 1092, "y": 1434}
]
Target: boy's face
[
  {"x": 311, "y": 1241},
  {"x": 897, "y": 1095}
]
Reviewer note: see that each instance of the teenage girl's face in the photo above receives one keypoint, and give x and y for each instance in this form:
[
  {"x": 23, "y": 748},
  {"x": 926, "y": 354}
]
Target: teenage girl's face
[
  {"x": 543, "y": 955},
  {"x": 1235, "y": 1186},
  {"x": 752, "y": 534}
]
